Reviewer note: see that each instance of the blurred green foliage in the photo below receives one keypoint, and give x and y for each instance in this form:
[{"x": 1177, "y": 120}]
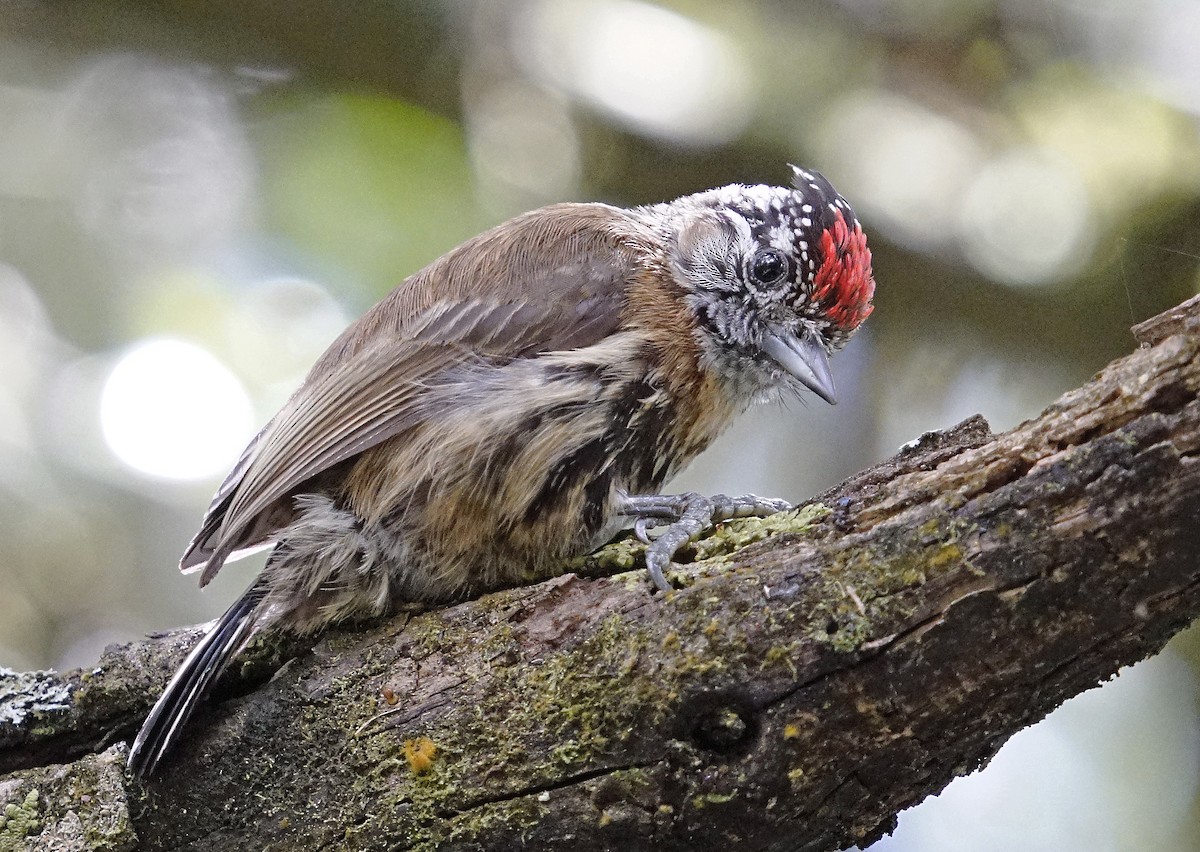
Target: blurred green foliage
[{"x": 372, "y": 185}]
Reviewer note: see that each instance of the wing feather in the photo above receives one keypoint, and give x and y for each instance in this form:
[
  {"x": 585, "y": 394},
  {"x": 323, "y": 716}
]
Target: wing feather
[{"x": 491, "y": 300}]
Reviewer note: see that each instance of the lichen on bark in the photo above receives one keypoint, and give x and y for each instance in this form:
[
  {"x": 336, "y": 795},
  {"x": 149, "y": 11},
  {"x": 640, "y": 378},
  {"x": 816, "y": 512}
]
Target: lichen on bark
[{"x": 812, "y": 674}]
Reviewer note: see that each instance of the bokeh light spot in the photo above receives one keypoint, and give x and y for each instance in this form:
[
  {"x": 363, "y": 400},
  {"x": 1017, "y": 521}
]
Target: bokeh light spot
[
  {"x": 652, "y": 69},
  {"x": 170, "y": 409},
  {"x": 159, "y": 164},
  {"x": 910, "y": 179},
  {"x": 1026, "y": 219}
]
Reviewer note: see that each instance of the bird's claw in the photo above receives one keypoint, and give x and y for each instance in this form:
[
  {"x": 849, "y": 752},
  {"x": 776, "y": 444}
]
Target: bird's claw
[{"x": 686, "y": 516}]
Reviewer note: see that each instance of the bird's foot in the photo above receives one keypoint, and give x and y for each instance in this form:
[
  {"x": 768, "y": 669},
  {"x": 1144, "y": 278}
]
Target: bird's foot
[{"x": 683, "y": 518}]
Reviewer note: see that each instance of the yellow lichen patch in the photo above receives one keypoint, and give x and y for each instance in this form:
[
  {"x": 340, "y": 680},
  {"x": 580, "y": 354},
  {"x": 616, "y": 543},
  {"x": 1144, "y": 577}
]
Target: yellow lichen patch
[
  {"x": 931, "y": 527},
  {"x": 699, "y": 802},
  {"x": 420, "y": 753},
  {"x": 791, "y": 731},
  {"x": 944, "y": 556}
]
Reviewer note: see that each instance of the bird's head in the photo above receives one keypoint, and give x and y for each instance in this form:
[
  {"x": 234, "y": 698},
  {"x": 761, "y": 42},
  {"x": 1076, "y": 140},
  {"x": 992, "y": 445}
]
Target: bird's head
[{"x": 777, "y": 278}]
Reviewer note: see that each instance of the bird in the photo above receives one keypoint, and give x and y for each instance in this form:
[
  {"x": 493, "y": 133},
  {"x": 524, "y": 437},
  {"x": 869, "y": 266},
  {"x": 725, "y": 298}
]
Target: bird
[{"x": 521, "y": 401}]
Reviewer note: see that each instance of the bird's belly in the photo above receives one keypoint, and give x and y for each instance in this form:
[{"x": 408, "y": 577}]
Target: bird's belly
[{"x": 511, "y": 473}]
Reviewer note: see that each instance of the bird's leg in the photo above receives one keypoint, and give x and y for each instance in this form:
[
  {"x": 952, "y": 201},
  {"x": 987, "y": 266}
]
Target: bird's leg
[{"x": 685, "y": 516}]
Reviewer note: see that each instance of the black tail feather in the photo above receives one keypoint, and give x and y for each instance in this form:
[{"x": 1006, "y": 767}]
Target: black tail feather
[{"x": 192, "y": 681}]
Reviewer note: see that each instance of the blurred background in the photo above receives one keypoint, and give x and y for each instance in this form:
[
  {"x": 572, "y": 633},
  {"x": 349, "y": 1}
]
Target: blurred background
[{"x": 195, "y": 198}]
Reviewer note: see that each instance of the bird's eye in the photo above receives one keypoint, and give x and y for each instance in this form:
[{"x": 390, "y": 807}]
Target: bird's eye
[{"x": 767, "y": 266}]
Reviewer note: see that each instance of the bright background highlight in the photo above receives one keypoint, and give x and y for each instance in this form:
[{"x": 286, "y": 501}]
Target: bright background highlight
[{"x": 170, "y": 409}]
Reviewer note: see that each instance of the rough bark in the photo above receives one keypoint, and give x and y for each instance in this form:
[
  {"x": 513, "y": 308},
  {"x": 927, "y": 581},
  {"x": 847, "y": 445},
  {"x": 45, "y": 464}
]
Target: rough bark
[{"x": 815, "y": 673}]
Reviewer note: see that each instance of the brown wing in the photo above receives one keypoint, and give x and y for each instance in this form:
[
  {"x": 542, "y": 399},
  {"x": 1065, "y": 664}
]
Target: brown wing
[{"x": 550, "y": 280}]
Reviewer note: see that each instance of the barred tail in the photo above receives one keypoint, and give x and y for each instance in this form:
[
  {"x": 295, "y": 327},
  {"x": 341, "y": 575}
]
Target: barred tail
[{"x": 192, "y": 681}]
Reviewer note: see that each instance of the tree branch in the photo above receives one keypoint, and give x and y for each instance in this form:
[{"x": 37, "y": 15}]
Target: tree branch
[{"x": 818, "y": 672}]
